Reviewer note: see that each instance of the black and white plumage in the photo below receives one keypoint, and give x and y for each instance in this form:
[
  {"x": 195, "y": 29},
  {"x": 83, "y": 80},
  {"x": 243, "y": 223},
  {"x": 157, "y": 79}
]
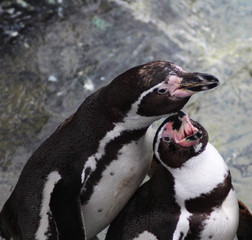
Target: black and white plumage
[
  {"x": 189, "y": 197},
  {"x": 79, "y": 179}
]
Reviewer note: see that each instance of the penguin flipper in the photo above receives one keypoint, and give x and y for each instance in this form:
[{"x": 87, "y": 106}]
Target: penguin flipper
[{"x": 65, "y": 206}]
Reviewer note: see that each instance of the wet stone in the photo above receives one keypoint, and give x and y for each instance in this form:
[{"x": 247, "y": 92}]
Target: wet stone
[{"x": 88, "y": 43}]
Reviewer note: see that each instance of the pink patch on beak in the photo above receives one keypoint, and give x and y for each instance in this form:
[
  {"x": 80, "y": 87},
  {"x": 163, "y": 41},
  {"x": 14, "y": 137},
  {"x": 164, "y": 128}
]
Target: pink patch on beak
[{"x": 180, "y": 93}]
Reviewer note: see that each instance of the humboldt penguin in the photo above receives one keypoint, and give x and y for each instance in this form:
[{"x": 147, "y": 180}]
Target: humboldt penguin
[
  {"x": 190, "y": 196},
  {"x": 82, "y": 175}
]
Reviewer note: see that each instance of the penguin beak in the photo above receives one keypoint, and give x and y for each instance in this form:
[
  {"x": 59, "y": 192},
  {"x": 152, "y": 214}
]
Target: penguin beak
[
  {"x": 186, "y": 84},
  {"x": 187, "y": 135},
  {"x": 197, "y": 82},
  {"x": 182, "y": 131}
]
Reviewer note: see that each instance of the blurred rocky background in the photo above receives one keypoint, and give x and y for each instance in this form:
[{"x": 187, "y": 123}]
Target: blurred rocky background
[{"x": 53, "y": 54}]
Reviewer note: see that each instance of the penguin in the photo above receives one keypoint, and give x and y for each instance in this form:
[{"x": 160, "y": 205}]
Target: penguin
[
  {"x": 189, "y": 197},
  {"x": 244, "y": 231},
  {"x": 80, "y": 178}
]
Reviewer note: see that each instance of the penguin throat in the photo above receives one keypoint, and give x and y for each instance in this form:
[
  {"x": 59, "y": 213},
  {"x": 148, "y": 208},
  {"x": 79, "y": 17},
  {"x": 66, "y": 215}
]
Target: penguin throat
[{"x": 186, "y": 136}]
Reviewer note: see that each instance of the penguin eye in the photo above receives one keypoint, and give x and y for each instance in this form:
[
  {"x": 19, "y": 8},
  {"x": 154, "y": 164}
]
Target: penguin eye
[
  {"x": 167, "y": 139},
  {"x": 162, "y": 90}
]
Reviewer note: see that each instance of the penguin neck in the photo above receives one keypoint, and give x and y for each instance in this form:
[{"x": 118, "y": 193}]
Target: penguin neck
[
  {"x": 124, "y": 113},
  {"x": 199, "y": 174},
  {"x": 163, "y": 182}
]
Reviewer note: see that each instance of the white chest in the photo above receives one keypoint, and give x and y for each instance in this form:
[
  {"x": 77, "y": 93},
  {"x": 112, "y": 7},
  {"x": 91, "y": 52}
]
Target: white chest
[
  {"x": 201, "y": 175},
  {"x": 118, "y": 183},
  {"x": 223, "y": 222}
]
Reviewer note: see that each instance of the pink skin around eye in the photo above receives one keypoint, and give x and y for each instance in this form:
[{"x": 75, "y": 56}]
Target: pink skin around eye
[
  {"x": 167, "y": 130},
  {"x": 172, "y": 85},
  {"x": 180, "y": 92}
]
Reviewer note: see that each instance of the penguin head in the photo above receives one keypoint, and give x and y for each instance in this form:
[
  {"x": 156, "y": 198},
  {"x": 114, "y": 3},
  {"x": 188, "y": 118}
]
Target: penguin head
[
  {"x": 178, "y": 139},
  {"x": 156, "y": 88}
]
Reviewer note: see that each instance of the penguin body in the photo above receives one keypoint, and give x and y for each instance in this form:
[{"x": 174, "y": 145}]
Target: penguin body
[
  {"x": 69, "y": 171},
  {"x": 118, "y": 182},
  {"x": 190, "y": 196}
]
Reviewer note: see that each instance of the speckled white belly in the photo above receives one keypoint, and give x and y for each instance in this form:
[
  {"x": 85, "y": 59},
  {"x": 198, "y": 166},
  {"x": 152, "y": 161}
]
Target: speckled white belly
[{"x": 118, "y": 183}]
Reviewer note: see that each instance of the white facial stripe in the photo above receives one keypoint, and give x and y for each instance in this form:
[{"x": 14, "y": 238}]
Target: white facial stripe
[
  {"x": 145, "y": 236},
  {"x": 160, "y": 132},
  {"x": 159, "y": 136},
  {"x": 52, "y": 179},
  {"x": 132, "y": 121},
  {"x": 134, "y": 107}
]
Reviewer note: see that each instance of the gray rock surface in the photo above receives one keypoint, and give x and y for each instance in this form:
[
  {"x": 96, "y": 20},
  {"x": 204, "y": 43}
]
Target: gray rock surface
[{"x": 48, "y": 71}]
